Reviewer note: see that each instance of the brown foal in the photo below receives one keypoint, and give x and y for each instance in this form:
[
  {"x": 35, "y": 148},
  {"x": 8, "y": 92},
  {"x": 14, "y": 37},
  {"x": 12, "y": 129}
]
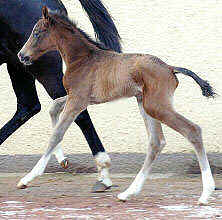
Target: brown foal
[{"x": 96, "y": 75}]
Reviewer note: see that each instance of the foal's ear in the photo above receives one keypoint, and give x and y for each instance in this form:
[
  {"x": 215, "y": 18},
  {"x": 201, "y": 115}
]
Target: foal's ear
[{"x": 45, "y": 12}]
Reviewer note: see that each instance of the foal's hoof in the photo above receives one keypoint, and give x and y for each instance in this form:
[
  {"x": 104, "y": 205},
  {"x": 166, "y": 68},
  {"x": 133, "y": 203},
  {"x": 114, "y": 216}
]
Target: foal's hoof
[
  {"x": 100, "y": 187},
  {"x": 122, "y": 197},
  {"x": 202, "y": 203},
  {"x": 65, "y": 164},
  {"x": 20, "y": 185}
]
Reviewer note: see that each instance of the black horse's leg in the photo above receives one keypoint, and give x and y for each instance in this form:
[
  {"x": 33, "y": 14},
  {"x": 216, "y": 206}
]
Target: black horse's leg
[
  {"x": 27, "y": 100},
  {"x": 87, "y": 128}
]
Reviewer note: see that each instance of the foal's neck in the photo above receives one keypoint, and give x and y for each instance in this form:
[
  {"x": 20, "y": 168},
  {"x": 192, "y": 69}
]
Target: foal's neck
[{"x": 73, "y": 47}]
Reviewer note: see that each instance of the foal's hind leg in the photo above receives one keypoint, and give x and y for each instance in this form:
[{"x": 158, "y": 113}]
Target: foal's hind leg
[
  {"x": 156, "y": 144},
  {"x": 54, "y": 112},
  {"x": 161, "y": 109}
]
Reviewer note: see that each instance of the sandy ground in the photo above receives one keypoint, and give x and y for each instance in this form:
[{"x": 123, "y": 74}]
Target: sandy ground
[{"x": 182, "y": 33}]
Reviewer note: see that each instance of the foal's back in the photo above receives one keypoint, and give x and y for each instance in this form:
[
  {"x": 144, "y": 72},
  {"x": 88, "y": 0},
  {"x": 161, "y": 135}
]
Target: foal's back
[{"x": 116, "y": 75}]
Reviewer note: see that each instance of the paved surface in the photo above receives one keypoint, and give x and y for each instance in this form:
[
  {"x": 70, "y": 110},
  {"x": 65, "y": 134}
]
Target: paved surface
[
  {"x": 172, "y": 192},
  {"x": 67, "y": 196}
]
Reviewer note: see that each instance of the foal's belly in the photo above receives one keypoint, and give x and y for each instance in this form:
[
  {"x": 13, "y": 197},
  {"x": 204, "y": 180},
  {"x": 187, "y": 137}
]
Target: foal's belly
[{"x": 99, "y": 96}]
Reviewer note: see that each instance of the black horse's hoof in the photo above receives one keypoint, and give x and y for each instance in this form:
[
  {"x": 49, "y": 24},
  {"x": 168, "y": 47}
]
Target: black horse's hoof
[{"x": 99, "y": 187}]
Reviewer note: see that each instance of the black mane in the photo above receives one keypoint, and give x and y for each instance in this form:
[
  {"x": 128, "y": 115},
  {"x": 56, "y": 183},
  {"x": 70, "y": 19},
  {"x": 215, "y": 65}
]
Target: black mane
[{"x": 69, "y": 24}]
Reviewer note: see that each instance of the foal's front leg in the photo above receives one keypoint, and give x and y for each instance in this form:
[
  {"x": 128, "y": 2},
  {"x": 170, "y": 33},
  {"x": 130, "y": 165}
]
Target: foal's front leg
[{"x": 71, "y": 111}]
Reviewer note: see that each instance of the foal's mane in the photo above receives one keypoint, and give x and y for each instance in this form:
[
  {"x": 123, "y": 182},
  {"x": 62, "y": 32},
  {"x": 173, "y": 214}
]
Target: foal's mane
[{"x": 57, "y": 17}]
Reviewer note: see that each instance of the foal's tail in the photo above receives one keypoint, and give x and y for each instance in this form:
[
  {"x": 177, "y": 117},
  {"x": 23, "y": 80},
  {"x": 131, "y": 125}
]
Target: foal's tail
[{"x": 206, "y": 88}]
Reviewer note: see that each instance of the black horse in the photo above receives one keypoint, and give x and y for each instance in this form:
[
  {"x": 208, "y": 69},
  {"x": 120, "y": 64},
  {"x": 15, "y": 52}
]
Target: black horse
[{"x": 17, "y": 19}]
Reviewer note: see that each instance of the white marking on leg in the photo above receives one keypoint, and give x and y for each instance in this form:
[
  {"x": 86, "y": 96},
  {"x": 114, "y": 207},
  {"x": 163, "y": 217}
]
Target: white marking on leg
[
  {"x": 103, "y": 163},
  {"x": 36, "y": 171},
  {"x": 59, "y": 154},
  {"x": 135, "y": 188},
  {"x": 195, "y": 137},
  {"x": 156, "y": 144},
  {"x": 208, "y": 186}
]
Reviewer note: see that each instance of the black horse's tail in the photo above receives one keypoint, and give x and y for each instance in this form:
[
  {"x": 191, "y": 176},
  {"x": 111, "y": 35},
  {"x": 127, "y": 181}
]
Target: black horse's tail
[
  {"x": 206, "y": 88},
  {"x": 104, "y": 27}
]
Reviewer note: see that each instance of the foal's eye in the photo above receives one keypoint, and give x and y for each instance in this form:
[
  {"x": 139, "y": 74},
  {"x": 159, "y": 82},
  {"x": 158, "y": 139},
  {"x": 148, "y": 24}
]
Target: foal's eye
[{"x": 36, "y": 35}]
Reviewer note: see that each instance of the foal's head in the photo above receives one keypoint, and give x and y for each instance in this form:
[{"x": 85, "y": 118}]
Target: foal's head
[{"x": 41, "y": 39}]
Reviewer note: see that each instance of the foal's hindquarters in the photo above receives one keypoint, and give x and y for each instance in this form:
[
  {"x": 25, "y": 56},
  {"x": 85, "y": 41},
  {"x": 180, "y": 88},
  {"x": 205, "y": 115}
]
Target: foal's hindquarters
[{"x": 155, "y": 104}]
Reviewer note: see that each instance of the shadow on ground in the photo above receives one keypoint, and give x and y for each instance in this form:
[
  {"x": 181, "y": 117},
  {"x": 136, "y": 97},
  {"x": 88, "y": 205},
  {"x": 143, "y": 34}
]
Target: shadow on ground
[{"x": 121, "y": 163}]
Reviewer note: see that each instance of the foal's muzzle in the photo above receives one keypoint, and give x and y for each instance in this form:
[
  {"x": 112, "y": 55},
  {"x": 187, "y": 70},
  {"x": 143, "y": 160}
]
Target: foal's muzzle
[{"x": 26, "y": 60}]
